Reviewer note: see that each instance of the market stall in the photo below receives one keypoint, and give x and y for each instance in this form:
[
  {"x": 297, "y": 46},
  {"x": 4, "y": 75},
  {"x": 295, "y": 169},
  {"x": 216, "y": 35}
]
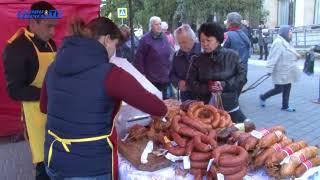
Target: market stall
[
  {"x": 198, "y": 141},
  {"x": 10, "y": 112}
]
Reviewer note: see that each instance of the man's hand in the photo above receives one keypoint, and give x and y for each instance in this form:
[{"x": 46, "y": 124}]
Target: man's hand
[
  {"x": 182, "y": 85},
  {"x": 215, "y": 86}
]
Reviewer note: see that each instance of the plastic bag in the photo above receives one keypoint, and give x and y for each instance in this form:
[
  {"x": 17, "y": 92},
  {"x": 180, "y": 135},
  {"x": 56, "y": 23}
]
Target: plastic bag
[
  {"x": 216, "y": 100},
  {"x": 309, "y": 63}
]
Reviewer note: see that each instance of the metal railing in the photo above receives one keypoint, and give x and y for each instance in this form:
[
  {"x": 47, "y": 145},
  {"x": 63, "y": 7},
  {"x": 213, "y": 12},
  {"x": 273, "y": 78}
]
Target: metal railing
[{"x": 302, "y": 37}]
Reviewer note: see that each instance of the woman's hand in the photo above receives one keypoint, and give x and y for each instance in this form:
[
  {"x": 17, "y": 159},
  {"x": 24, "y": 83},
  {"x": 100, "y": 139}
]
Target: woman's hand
[
  {"x": 215, "y": 86},
  {"x": 182, "y": 85}
]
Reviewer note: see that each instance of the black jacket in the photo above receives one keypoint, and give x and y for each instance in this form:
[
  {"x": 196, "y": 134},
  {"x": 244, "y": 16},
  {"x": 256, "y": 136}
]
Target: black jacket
[
  {"x": 220, "y": 65},
  {"x": 181, "y": 62},
  {"x": 21, "y": 66}
]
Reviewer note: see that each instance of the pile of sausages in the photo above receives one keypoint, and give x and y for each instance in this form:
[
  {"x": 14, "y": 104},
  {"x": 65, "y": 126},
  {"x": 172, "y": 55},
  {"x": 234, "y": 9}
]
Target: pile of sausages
[
  {"x": 302, "y": 157},
  {"x": 187, "y": 134},
  {"x": 198, "y": 140},
  {"x": 231, "y": 161},
  {"x": 272, "y": 148}
]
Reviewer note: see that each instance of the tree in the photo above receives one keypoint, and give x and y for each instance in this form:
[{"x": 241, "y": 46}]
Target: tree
[{"x": 194, "y": 12}]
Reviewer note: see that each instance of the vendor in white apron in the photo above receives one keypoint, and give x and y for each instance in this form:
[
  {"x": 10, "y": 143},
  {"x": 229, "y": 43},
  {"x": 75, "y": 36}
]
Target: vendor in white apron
[
  {"x": 81, "y": 95},
  {"x": 27, "y": 56}
]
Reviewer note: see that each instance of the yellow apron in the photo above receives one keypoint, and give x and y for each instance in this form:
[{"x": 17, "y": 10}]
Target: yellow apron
[
  {"x": 35, "y": 120},
  {"x": 111, "y": 139}
]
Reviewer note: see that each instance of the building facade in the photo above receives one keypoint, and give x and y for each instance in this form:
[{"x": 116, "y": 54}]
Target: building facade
[{"x": 292, "y": 12}]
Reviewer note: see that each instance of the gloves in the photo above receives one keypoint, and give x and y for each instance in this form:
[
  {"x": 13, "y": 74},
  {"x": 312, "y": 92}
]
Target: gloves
[{"x": 215, "y": 86}]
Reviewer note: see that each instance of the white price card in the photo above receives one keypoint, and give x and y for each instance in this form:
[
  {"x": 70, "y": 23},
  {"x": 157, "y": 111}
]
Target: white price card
[{"x": 256, "y": 134}]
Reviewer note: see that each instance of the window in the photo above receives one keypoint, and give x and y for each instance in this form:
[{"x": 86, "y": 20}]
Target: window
[
  {"x": 283, "y": 12},
  {"x": 317, "y": 12}
]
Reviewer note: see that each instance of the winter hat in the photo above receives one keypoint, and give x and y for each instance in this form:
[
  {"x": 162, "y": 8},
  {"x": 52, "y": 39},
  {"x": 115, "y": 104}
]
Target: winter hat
[{"x": 284, "y": 32}]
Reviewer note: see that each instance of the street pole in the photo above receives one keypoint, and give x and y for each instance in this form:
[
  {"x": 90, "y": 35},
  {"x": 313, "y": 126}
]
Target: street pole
[{"x": 132, "y": 31}]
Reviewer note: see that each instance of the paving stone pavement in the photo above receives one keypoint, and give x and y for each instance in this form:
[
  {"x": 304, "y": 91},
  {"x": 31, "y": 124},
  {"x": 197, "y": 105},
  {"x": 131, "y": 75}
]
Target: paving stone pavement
[
  {"x": 15, "y": 158},
  {"x": 303, "y": 124}
]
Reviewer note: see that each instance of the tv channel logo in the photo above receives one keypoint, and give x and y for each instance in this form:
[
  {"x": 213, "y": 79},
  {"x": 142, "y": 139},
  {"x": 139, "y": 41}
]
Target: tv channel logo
[{"x": 39, "y": 14}]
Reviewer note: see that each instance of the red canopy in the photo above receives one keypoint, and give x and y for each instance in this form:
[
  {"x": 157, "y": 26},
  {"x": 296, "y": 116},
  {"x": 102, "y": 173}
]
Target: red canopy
[{"x": 10, "y": 110}]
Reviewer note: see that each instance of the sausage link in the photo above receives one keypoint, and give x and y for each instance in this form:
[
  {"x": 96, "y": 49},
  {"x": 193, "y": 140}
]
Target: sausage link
[
  {"x": 199, "y": 164},
  {"x": 204, "y": 143},
  {"x": 306, "y": 165},
  {"x": 178, "y": 139},
  {"x": 175, "y": 123},
  {"x": 189, "y": 147},
  {"x": 200, "y": 156},
  {"x": 197, "y": 173},
  {"x": 177, "y": 151},
  {"x": 213, "y": 134},
  {"x": 198, "y": 125},
  {"x": 189, "y": 132}
]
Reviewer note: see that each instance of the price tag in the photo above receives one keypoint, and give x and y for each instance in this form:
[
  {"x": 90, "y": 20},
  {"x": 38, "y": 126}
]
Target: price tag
[
  {"x": 256, "y": 134},
  {"x": 240, "y": 126},
  {"x": 171, "y": 157},
  {"x": 285, "y": 160},
  {"x": 174, "y": 143},
  {"x": 186, "y": 162},
  {"x": 278, "y": 134},
  {"x": 148, "y": 149},
  {"x": 209, "y": 164},
  {"x": 220, "y": 176},
  {"x": 125, "y": 137}
]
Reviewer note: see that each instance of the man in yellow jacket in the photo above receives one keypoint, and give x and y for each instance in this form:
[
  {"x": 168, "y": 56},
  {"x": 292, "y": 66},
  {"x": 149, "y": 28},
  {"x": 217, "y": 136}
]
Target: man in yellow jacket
[{"x": 26, "y": 58}]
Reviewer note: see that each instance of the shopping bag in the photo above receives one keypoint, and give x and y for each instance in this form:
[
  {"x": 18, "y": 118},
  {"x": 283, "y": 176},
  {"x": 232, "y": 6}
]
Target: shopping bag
[
  {"x": 309, "y": 63},
  {"x": 316, "y": 48},
  {"x": 216, "y": 100}
]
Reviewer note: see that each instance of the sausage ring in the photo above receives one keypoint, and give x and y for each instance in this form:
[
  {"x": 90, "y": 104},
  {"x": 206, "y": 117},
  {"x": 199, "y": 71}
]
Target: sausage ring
[
  {"x": 198, "y": 125},
  {"x": 198, "y": 115},
  {"x": 229, "y": 170},
  {"x": 193, "y": 107},
  {"x": 230, "y": 155},
  {"x": 200, "y": 156}
]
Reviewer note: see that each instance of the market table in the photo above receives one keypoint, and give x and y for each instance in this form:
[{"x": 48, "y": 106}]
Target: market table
[{"x": 128, "y": 172}]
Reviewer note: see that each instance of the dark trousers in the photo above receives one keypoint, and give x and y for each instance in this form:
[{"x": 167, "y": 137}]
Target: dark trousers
[
  {"x": 163, "y": 87},
  {"x": 279, "y": 88},
  {"x": 237, "y": 116},
  {"x": 266, "y": 52},
  {"x": 41, "y": 173}
]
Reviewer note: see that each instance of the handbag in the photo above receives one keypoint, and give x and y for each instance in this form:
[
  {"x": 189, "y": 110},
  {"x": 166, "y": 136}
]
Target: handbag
[
  {"x": 216, "y": 100},
  {"x": 309, "y": 63}
]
